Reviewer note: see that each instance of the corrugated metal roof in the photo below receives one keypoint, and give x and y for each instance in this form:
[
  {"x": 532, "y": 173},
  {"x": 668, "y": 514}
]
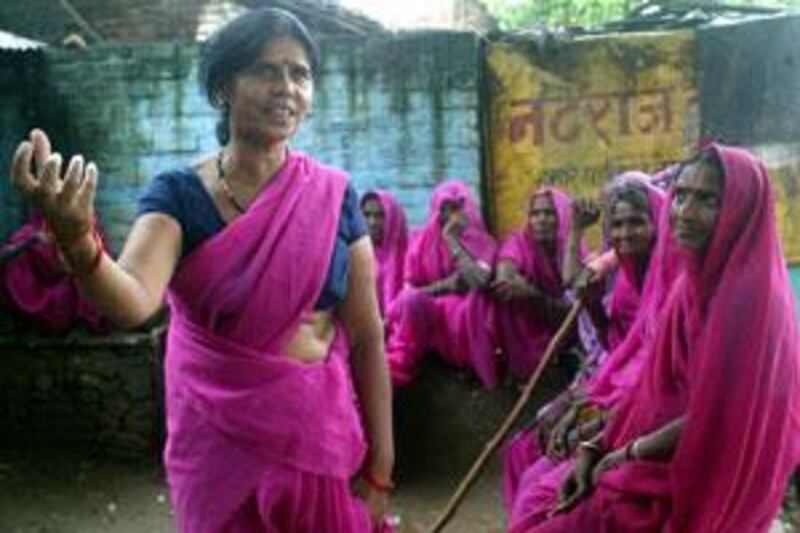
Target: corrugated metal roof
[{"x": 9, "y": 41}]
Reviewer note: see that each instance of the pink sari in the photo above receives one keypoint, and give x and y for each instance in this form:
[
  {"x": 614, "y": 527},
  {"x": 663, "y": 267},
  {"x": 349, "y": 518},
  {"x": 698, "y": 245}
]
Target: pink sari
[
  {"x": 733, "y": 376},
  {"x": 531, "y": 481},
  {"x": 36, "y": 288},
  {"x": 524, "y": 330},
  {"x": 458, "y": 327},
  {"x": 259, "y": 441},
  {"x": 390, "y": 253}
]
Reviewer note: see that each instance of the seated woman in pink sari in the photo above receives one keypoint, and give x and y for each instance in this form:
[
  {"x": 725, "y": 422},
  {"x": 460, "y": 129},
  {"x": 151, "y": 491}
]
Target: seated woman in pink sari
[
  {"x": 707, "y": 439},
  {"x": 445, "y": 306},
  {"x": 632, "y": 214},
  {"x": 386, "y": 222},
  {"x": 36, "y": 288},
  {"x": 267, "y": 364},
  {"x": 528, "y": 282}
]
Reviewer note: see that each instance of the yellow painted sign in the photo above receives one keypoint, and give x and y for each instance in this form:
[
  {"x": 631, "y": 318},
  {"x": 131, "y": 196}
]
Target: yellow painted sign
[
  {"x": 573, "y": 114},
  {"x": 783, "y": 163}
]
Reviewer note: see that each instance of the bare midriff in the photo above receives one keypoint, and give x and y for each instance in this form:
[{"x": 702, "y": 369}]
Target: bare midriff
[{"x": 312, "y": 341}]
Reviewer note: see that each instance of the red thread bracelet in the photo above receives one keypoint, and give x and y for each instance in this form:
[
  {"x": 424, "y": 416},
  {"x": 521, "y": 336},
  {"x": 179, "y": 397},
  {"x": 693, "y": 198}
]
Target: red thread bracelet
[
  {"x": 96, "y": 258},
  {"x": 375, "y": 484}
]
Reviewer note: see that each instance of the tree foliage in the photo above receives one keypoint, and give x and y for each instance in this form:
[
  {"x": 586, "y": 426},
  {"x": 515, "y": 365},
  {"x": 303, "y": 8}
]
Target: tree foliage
[{"x": 521, "y": 14}]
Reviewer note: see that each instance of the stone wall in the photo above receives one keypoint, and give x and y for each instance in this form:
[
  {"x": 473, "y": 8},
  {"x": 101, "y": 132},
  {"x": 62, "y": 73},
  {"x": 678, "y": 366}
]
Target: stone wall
[
  {"x": 102, "y": 394},
  {"x": 399, "y": 113},
  {"x": 19, "y": 76}
]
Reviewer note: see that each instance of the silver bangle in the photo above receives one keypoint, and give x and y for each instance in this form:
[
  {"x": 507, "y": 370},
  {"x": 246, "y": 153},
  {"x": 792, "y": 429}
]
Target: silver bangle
[
  {"x": 590, "y": 446},
  {"x": 634, "y": 450}
]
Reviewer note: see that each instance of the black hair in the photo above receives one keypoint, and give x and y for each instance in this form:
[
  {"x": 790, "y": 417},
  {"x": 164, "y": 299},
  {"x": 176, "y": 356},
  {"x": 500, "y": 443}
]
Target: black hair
[
  {"x": 630, "y": 192},
  {"x": 237, "y": 45},
  {"x": 370, "y": 195}
]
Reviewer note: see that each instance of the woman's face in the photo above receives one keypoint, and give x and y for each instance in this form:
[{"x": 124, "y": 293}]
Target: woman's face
[
  {"x": 631, "y": 231},
  {"x": 452, "y": 210},
  {"x": 543, "y": 218},
  {"x": 375, "y": 218},
  {"x": 695, "y": 206},
  {"x": 269, "y": 99}
]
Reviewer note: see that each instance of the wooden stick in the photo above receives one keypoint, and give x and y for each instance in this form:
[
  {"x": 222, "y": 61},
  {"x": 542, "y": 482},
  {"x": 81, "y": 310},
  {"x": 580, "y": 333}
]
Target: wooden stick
[{"x": 510, "y": 420}]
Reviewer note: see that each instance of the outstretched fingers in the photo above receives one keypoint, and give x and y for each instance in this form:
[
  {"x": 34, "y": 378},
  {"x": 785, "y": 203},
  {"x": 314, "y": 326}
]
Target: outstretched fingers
[
  {"x": 50, "y": 184},
  {"x": 21, "y": 175},
  {"x": 41, "y": 149},
  {"x": 72, "y": 180},
  {"x": 84, "y": 197}
]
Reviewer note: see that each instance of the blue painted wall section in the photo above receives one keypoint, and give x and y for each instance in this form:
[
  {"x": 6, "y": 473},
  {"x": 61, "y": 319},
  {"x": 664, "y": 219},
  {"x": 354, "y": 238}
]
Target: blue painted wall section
[{"x": 398, "y": 113}]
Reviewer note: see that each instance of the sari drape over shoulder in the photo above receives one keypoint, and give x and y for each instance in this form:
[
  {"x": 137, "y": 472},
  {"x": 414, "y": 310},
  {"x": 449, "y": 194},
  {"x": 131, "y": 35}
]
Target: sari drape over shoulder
[{"x": 239, "y": 411}]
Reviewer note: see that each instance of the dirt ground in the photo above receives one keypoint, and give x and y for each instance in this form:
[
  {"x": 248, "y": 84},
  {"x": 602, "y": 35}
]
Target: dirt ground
[{"x": 46, "y": 492}]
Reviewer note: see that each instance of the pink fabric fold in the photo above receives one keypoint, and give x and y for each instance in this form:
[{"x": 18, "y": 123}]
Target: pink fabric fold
[
  {"x": 36, "y": 288},
  {"x": 524, "y": 330},
  {"x": 240, "y": 413},
  {"x": 390, "y": 253},
  {"x": 733, "y": 376},
  {"x": 460, "y": 328}
]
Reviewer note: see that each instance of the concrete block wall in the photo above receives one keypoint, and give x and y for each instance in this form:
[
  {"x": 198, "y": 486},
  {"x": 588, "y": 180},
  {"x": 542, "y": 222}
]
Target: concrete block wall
[
  {"x": 399, "y": 113},
  {"x": 20, "y": 74}
]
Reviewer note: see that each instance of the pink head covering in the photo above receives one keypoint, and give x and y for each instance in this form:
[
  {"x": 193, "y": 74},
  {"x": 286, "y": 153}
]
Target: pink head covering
[
  {"x": 390, "y": 253},
  {"x": 726, "y": 357},
  {"x": 428, "y": 257}
]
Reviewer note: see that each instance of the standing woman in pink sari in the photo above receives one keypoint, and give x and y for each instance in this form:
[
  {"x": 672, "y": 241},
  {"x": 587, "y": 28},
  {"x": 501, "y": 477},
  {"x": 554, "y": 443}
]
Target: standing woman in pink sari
[
  {"x": 708, "y": 438},
  {"x": 445, "y": 306},
  {"x": 386, "y": 222},
  {"x": 263, "y": 429}
]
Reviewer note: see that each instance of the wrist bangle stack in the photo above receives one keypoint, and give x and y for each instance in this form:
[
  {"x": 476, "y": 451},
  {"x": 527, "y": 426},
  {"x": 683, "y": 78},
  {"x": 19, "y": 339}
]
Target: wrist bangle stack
[
  {"x": 630, "y": 450},
  {"x": 97, "y": 255}
]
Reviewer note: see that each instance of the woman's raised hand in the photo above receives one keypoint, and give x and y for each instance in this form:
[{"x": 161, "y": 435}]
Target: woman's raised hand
[
  {"x": 585, "y": 212},
  {"x": 66, "y": 199}
]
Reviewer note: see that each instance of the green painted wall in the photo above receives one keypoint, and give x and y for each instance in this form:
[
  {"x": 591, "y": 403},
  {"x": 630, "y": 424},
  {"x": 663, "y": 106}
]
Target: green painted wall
[{"x": 795, "y": 275}]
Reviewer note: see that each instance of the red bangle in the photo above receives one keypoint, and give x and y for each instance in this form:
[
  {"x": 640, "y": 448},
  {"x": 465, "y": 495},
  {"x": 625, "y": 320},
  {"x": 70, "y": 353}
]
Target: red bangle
[
  {"x": 380, "y": 486},
  {"x": 64, "y": 244},
  {"x": 98, "y": 257}
]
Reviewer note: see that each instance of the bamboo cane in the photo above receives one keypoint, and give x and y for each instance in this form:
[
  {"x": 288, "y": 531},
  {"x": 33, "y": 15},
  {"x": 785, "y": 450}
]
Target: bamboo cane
[{"x": 512, "y": 417}]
